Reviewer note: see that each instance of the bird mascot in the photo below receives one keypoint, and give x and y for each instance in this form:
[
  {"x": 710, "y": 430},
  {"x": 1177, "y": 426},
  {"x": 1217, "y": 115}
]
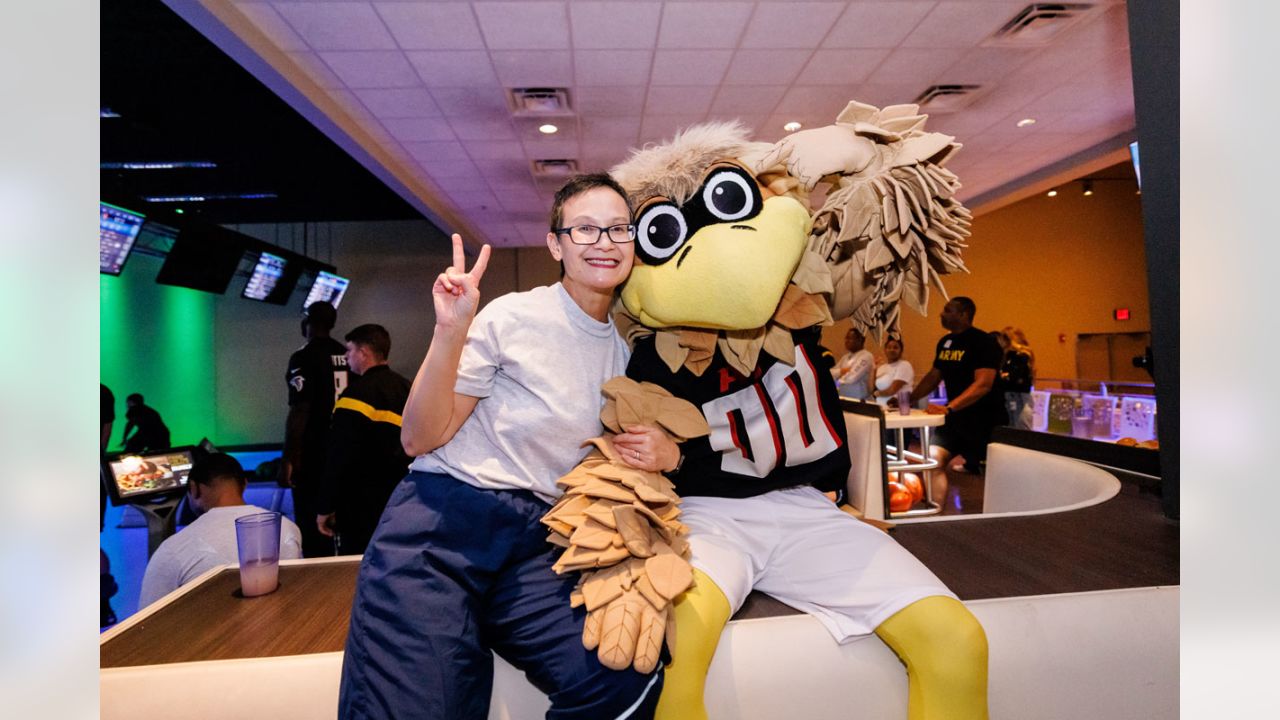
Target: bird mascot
[{"x": 736, "y": 273}]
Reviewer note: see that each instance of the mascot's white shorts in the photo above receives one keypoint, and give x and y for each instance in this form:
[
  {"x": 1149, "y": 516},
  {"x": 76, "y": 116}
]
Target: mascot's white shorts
[{"x": 798, "y": 547}]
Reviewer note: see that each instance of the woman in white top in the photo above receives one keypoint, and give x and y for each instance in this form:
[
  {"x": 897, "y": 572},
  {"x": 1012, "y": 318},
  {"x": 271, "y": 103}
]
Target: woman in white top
[
  {"x": 893, "y": 374},
  {"x": 459, "y": 567}
]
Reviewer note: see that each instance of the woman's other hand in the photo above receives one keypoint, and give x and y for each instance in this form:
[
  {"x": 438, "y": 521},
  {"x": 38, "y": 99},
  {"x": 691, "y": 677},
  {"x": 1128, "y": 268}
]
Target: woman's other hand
[{"x": 647, "y": 448}]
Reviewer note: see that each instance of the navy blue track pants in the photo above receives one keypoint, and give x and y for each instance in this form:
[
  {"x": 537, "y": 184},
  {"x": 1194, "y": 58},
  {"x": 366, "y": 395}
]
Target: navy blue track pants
[{"x": 454, "y": 572}]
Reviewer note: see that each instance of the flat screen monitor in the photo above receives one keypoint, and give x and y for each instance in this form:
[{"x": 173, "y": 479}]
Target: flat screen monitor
[
  {"x": 266, "y": 277},
  {"x": 328, "y": 288},
  {"x": 117, "y": 231},
  {"x": 143, "y": 477},
  {"x": 203, "y": 258}
]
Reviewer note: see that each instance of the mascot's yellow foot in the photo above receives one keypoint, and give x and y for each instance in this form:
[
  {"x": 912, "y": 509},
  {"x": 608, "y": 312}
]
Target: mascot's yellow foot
[
  {"x": 945, "y": 651},
  {"x": 701, "y": 614}
]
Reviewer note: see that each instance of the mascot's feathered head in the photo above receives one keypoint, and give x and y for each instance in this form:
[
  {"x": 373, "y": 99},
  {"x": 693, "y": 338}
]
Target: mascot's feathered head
[{"x": 731, "y": 254}]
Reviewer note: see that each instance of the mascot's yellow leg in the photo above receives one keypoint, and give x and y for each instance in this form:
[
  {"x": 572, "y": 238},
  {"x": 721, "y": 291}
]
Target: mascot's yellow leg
[
  {"x": 701, "y": 614},
  {"x": 945, "y": 651}
]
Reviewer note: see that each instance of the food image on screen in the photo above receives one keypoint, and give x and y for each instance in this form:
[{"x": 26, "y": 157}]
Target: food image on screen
[{"x": 139, "y": 474}]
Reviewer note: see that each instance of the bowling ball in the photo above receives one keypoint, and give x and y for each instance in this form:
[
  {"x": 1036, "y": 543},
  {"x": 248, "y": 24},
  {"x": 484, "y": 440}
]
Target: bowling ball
[
  {"x": 914, "y": 485},
  {"x": 900, "y": 500}
]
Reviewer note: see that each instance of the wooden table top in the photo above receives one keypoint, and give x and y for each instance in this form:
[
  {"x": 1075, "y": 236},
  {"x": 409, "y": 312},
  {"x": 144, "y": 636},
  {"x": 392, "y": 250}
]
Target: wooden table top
[{"x": 308, "y": 613}]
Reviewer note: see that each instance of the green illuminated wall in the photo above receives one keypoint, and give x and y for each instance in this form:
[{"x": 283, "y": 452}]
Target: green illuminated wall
[{"x": 159, "y": 341}]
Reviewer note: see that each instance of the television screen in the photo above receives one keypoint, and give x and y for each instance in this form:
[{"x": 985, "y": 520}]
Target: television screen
[
  {"x": 141, "y": 477},
  {"x": 203, "y": 258},
  {"x": 327, "y": 287},
  {"x": 265, "y": 278},
  {"x": 117, "y": 230}
]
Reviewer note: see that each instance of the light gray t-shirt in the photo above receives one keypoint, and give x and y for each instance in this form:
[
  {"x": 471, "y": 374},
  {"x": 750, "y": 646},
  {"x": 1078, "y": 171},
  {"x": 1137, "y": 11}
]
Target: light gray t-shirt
[
  {"x": 537, "y": 363},
  {"x": 206, "y": 543}
]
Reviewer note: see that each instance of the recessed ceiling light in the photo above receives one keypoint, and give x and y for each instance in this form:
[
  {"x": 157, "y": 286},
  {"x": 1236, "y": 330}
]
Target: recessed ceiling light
[
  {"x": 107, "y": 112},
  {"x": 792, "y": 126},
  {"x": 547, "y": 129},
  {"x": 1026, "y": 121},
  {"x": 1052, "y": 193},
  {"x": 1088, "y": 188}
]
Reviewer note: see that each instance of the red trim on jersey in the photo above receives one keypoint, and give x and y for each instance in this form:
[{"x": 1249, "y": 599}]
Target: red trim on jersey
[
  {"x": 801, "y": 412},
  {"x": 773, "y": 426},
  {"x": 821, "y": 411},
  {"x": 734, "y": 431}
]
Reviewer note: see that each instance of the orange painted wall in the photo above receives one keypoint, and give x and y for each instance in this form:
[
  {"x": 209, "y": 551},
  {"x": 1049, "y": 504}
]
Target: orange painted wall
[{"x": 1050, "y": 266}]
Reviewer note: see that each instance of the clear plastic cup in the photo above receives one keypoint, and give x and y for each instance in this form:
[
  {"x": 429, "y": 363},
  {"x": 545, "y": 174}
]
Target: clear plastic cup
[
  {"x": 258, "y": 543},
  {"x": 904, "y": 401}
]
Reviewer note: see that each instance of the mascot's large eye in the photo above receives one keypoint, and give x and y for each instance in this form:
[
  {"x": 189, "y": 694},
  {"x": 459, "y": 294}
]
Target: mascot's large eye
[
  {"x": 730, "y": 195},
  {"x": 660, "y": 231}
]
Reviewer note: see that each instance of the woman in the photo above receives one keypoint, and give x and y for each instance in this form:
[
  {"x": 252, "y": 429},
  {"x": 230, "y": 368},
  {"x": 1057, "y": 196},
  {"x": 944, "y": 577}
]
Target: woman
[
  {"x": 459, "y": 566},
  {"x": 853, "y": 373},
  {"x": 893, "y": 374},
  {"x": 1017, "y": 372}
]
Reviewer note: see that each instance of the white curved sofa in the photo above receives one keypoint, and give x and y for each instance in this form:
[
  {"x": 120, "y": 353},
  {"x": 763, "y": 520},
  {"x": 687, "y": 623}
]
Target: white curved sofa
[{"x": 1098, "y": 655}]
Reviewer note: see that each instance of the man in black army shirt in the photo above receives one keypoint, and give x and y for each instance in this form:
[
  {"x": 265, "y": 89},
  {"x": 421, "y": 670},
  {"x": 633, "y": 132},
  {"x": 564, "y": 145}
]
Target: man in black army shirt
[
  {"x": 317, "y": 375},
  {"x": 366, "y": 460},
  {"x": 966, "y": 359}
]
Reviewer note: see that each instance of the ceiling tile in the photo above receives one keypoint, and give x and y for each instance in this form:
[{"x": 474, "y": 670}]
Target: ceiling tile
[
  {"x": 753, "y": 123},
  {"x": 876, "y": 24},
  {"x": 523, "y": 25},
  {"x": 676, "y": 100},
  {"x": 494, "y": 149},
  {"x": 399, "y": 103},
  {"x": 614, "y": 25},
  {"x": 416, "y": 129},
  {"x": 820, "y": 102},
  {"x": 608, "y": 101},
  {"x": 533, "y": 68},
  {"x": 348, "y": 101},
  {"x": 654, "y": 128},
  {"x": 986, "y": 65},
  {"x": 766, "y": 67},
  {"x": 551, "y": 149},
  {"x": 618, "y": 129},
  {"x": 504, "y": 171},
  {"x": 611, "y": 67},
  {"x": 373, "y": 69},
  {"x": 963, "y": 124},
  {"x": 433, "y": 153},
  {"x": 841, "y": 67},
  {"x": 790, "y": 25},
  {"x": 882, "y": 94},
  {"x": 471, "y": 102},
  {"x": 690, "y": 67},
  {"x": 741, "y": 100},
  {"x": 338, "y": 26},
  {"x": 315, "y": 69},
  {"x": 483, "y": 129},
  {"x": 916, "y": 68},
  {"x": 703, "y": 24},
  {"x": 962, "y": 24},
  {"x": 431, "y": 26},
  {"x": 273, "y": 26},
  {"x": 443, "y": 171},
  {"x": 483, "y": 200},
  {"x": 453, "y": 68}
]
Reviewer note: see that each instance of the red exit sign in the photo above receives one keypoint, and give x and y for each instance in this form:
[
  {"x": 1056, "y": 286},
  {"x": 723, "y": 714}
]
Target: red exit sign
[{"x": 1122, "y": 313}]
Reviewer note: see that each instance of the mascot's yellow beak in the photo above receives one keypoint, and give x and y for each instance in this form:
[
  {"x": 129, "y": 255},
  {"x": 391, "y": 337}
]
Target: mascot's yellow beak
[{"x": 727, "y": 275}]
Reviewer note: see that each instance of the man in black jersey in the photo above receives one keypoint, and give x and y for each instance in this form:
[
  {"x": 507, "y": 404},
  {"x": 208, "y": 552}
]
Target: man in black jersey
[
  {"x": 366, "y": 460},
  {"x": 317, "y": 375},
  {"x": 966, "y": 359}
]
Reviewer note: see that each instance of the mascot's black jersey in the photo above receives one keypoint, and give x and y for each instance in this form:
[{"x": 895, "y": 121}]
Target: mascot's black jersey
[{"x": 779, "y": 428}]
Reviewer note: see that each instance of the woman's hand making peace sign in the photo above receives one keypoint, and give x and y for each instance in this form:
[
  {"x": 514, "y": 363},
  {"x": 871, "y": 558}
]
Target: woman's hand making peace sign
[{"x": 456, "y": 293}]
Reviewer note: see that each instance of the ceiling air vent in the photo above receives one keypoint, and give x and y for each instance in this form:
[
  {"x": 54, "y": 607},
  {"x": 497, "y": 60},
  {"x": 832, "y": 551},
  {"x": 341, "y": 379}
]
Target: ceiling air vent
[
  {"x": 539, "y": 101},
  {"x": 1039, "y": 23},
  {"x": 947, "y": 98},
  {"x": 555, "y": 169}
]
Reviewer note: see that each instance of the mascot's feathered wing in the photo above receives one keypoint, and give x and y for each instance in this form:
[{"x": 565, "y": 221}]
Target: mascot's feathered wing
[{"x": 735, "y": 268}]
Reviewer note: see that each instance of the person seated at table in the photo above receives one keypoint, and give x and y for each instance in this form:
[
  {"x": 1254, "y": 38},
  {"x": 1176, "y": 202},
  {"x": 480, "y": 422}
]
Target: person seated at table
[
  {"x": 893, "y": 374},
  {"x": 148, "y": 430},
  {"x": 855, "y": 371},
  {"x": 215, "y": 488}
]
